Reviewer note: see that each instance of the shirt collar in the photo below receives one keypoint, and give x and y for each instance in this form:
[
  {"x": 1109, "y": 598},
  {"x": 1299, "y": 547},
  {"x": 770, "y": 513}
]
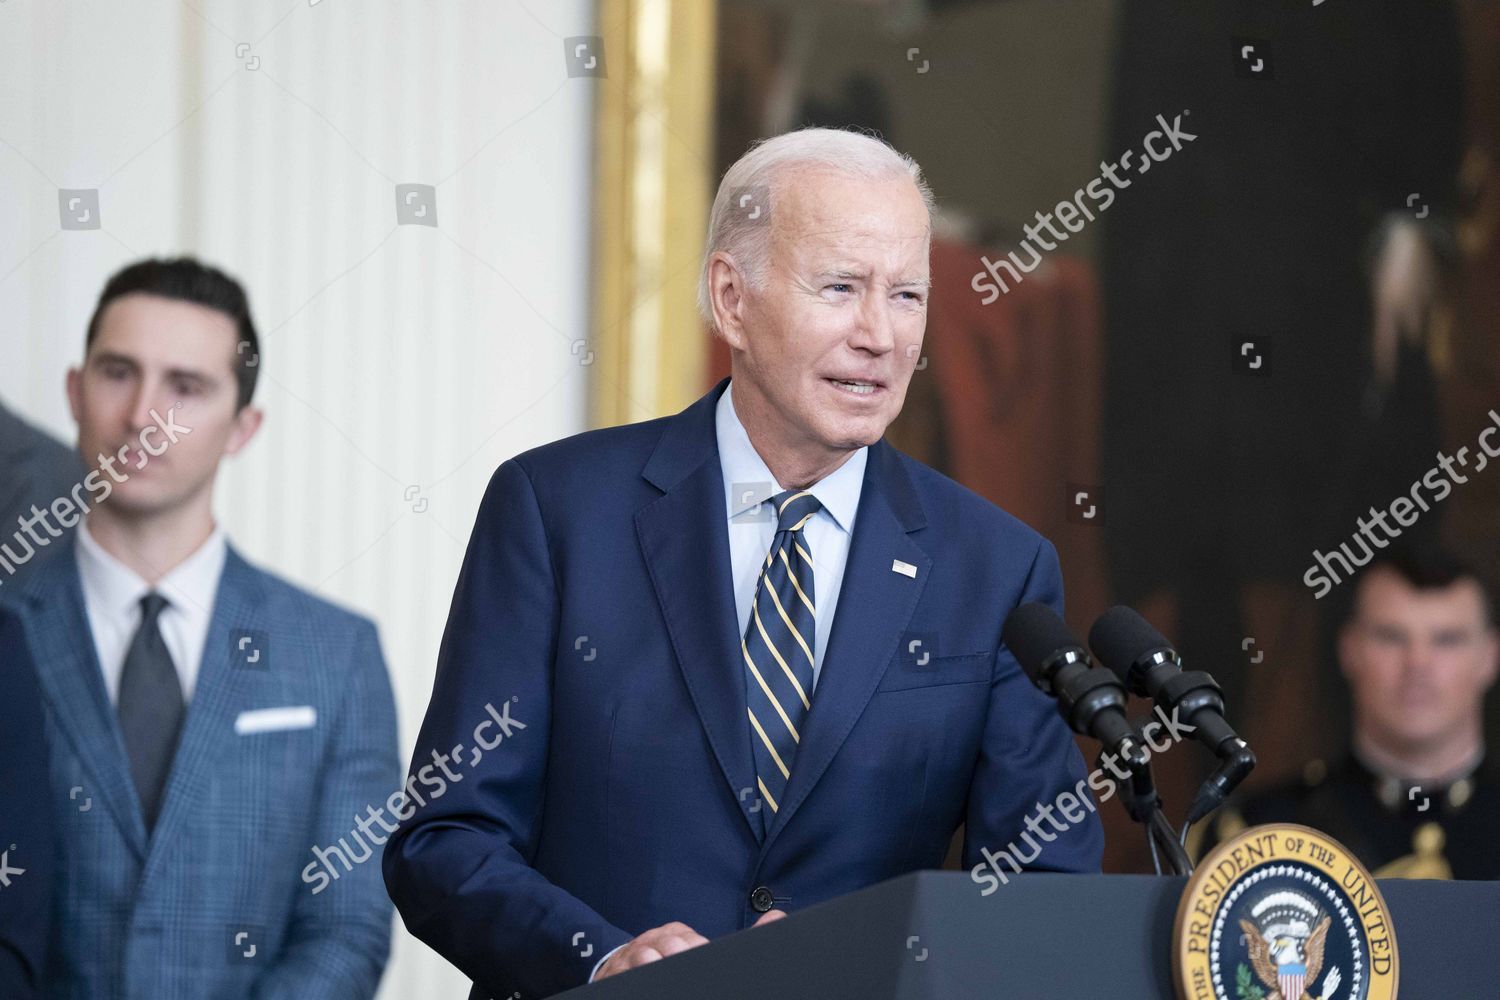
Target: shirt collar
[
  {"x": 190, "y": 587},
  {"x": 1390, "y": 772},
  {"x": 746, "y": 475}
]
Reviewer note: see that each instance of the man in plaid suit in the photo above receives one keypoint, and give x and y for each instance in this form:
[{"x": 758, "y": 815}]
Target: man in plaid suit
[{"x": 206, "y": 722}]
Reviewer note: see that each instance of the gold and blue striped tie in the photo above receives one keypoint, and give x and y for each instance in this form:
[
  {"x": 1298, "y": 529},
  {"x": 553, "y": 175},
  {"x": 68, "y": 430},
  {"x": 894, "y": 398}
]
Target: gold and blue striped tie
[{"x": 778, "y": 650}]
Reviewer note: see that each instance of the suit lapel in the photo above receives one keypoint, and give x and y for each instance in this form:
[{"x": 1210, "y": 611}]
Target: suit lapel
[
  {"x": 62, "y": 642},
  {"x": 684, "y": 538},
  {"x": 875, "y": 606},
  {"x": 208, "y": 731}
]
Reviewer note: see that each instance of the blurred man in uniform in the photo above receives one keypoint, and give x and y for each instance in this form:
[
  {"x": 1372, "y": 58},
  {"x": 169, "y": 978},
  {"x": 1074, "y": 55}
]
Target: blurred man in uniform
[{"x": 1415, "y": 796}]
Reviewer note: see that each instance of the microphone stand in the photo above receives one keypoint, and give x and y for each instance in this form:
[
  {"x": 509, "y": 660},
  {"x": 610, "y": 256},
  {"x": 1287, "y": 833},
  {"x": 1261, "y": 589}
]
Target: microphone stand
[
  {"x": 1144, "y": 806},
  {"x": 1236, "y": 761}
]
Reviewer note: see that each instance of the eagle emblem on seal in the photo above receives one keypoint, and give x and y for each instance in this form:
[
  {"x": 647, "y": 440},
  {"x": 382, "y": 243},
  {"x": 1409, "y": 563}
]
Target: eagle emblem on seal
[{"x": 1285, "y": 941}]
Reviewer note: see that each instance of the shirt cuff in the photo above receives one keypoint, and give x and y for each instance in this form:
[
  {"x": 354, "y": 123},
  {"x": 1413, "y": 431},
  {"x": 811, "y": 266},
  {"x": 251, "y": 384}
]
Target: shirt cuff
[{"x": 603, "y": 960}]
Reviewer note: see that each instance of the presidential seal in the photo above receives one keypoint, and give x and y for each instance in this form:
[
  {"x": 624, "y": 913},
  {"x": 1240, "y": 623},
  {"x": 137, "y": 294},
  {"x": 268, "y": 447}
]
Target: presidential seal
[{"x": 1283, "y": 912}]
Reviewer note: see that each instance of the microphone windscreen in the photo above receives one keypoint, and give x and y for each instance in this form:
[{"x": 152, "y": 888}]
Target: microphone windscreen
[
  {"x": 1033, "y": 632},
  {"x": 1121, "y": 638}
]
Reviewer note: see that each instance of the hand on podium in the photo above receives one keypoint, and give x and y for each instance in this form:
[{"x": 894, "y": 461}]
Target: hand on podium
[{"x": 659, "y": 942}]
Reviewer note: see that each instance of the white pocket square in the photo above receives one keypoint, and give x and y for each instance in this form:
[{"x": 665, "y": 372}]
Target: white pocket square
[{"x": 270, "y": 720}]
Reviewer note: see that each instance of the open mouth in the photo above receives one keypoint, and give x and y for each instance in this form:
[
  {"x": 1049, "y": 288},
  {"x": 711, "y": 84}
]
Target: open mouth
[{"x": 856, "y": 387}]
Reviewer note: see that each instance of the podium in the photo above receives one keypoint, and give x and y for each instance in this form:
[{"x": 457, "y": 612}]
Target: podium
[{"x": 933, "y": 935}]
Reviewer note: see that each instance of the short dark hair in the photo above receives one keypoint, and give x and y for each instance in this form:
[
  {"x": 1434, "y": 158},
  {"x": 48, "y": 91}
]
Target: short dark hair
[
  {"x": 1431, "y": 567},
  {"x": 189, "y": 280}
]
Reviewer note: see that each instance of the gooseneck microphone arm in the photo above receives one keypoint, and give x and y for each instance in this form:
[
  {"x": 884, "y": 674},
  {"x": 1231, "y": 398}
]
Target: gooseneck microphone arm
[
  {"x": 1166, "y": 840},
  {"x": 1199, "y": 700},
  {"x": 1232, "y": 770},
  {"x": 1144, "y": 806},
  {"x": 1148, "y": 666},
  {"x": 1092, "y": 700}
]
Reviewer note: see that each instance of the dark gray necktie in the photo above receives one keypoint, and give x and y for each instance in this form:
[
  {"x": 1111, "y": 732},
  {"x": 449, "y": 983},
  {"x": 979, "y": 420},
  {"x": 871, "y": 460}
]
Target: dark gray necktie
[{"x": 150, "y": 708}]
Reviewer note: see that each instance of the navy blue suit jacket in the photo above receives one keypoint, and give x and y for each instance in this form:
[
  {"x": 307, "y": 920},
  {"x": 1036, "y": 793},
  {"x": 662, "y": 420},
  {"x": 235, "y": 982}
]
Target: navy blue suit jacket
[{"x": 595, "y": 604}]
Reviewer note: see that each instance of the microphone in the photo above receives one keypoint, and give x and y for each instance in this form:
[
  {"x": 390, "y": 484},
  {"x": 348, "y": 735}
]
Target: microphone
[
  {"x": 1148, "y": 666},
  {"x": 1090, "y": 698}
]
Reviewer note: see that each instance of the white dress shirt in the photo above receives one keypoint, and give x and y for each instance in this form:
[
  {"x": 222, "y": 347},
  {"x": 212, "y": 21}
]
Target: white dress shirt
[
  {"x": 112, "y": 595},
  {"x": 752, "y": 524}
]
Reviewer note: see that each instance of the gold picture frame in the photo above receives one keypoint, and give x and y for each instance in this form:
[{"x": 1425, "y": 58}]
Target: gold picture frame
[{"x": 652, "y": 185}]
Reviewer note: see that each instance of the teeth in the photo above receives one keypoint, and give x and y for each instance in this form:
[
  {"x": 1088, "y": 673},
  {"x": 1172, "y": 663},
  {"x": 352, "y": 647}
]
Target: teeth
[{"x": 859, "y": 388}]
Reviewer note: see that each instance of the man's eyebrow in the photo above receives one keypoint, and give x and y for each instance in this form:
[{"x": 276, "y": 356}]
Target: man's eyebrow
[
  {"x": 114, "y": 357},
  {"x": 857, "y": 274},
  {"x": 192, "y": 373}
]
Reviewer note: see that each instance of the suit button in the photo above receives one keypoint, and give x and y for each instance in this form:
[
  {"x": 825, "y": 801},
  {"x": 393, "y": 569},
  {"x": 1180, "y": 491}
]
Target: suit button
[{"x": 760, "y": 899}]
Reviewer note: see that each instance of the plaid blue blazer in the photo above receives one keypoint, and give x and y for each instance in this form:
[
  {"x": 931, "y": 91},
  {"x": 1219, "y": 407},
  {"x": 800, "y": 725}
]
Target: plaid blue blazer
[{"x": 290, "y": 736}]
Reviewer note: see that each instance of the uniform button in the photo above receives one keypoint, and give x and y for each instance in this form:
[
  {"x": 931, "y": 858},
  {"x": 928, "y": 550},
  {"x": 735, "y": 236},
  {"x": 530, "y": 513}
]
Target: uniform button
[{"x": 760, "y": 899}]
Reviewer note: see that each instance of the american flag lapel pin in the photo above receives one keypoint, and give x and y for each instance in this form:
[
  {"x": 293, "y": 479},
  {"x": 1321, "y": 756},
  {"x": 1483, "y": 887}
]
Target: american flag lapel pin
[{"x": 904, "y": 568}]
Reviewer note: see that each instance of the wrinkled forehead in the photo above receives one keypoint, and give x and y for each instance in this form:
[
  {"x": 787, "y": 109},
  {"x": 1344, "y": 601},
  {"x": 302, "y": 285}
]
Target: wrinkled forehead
[{"x": 821, "y": 214}]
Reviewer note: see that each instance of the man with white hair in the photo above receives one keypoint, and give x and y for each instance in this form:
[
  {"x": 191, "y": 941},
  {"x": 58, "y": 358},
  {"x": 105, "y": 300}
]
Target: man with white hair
[{"x": 750, "y": 653}]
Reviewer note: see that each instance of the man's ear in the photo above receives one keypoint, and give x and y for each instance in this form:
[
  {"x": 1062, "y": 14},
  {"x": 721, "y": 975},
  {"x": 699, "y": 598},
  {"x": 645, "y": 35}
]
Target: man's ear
[
  {"x": 246, "y": 423},
  {"x": 74, "y": 386},
  {"x": 726, "y": 298}
]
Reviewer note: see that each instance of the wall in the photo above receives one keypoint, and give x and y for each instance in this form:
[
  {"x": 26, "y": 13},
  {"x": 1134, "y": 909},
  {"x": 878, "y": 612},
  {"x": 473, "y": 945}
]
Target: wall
[{"x": 401, "y": 363}]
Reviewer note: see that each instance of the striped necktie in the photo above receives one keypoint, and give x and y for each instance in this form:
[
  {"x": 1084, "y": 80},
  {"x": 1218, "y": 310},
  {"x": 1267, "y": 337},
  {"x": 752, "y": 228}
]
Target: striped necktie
[{"x": 778, "y": 650}]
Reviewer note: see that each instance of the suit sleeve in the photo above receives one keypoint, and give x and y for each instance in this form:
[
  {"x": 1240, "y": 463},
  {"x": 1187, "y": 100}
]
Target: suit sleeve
[
  {"x": 461, "y": 869},
  {"x": 338, "y": 938},
  {"x": 1027, "y": 760},
  {"x": 26, "y": 835}
]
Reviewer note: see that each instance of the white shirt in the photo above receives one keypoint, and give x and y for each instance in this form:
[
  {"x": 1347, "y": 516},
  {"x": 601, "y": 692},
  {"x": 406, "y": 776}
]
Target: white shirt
[
  {"x": 112, "y": 595},
  {"x": 752, "y": 523}
]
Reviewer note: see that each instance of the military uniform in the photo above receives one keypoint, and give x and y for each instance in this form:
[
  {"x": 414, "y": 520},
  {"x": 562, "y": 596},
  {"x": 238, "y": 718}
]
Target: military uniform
[{"x": 1397, "y": 828}]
